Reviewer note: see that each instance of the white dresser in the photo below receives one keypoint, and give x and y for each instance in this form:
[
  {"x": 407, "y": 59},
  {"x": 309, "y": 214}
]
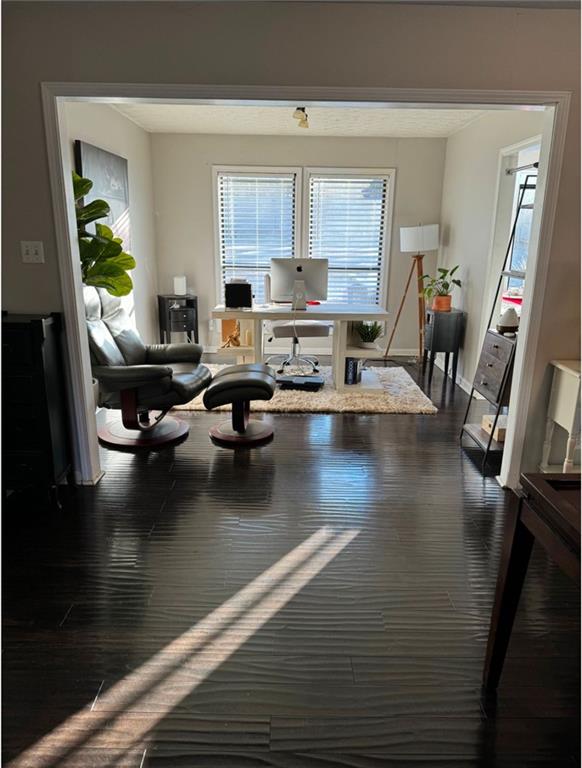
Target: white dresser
[{"x": 563, "y": 409}]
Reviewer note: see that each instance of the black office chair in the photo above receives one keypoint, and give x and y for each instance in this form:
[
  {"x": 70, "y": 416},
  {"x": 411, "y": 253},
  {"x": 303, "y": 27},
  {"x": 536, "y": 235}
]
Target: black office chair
[{"x": 143, "y": 381}]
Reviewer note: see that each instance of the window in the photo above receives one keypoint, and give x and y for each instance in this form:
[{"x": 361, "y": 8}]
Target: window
[
  {"x": 344, "y": 221},
  {"x": 347, "y": 225},
  {"x": 523, "y": 203},
  {"x": 256, "y": 222}
]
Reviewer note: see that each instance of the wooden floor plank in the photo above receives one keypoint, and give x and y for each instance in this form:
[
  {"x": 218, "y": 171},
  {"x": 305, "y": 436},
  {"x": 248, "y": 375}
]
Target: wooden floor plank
[{"x": 164, "y": 582}]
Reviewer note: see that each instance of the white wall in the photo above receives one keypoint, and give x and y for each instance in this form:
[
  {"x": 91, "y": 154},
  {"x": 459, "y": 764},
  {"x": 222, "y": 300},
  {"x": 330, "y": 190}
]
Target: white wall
[
  {"x": 470, "y": 184},
  {"x": 102, "y": 126},
  {"x": 182, "y": 168}
]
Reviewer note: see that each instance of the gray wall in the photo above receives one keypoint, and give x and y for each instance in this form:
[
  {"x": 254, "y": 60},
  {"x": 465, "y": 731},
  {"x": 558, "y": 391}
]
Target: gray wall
[{"x": 184, "y": 205}]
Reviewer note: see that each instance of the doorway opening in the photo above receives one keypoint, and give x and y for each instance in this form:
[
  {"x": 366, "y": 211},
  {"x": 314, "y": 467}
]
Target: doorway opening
[{"x": 55, "y": 99}]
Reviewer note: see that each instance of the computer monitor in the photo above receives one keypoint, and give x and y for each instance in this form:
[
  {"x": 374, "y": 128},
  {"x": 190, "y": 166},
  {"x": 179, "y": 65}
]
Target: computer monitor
[{"x": 284, "y": 273}]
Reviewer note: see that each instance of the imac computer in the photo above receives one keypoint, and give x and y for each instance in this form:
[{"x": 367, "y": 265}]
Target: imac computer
[{"x": 287, "y": 271}]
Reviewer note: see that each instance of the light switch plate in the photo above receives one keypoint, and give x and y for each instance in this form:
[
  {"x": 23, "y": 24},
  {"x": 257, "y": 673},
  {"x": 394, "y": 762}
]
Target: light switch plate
[{"x": 32, "y": 251}]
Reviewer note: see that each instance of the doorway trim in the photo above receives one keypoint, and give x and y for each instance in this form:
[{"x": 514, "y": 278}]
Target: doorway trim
[{"x": 87, "y": 465}]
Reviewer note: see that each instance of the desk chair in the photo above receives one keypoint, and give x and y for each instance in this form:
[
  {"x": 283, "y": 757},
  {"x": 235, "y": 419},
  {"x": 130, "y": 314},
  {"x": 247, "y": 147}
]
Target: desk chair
[{"x": 283, "y": 329}]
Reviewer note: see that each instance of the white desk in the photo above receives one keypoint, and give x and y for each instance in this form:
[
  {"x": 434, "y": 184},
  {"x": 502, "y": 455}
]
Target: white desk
[
  {"x": 340, "y": 314},
  {"x": 563, "y": 409}
]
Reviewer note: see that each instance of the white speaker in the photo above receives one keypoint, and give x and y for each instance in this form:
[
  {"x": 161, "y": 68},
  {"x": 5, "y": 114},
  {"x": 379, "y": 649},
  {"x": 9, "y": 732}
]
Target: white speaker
[{"x": 180, "y": 286}]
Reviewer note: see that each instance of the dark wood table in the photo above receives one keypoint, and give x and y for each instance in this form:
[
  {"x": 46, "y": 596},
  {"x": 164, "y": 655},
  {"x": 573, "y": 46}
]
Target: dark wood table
[
  {"x": 547, "y": 510},
  {"x": 443, "y": 332}
]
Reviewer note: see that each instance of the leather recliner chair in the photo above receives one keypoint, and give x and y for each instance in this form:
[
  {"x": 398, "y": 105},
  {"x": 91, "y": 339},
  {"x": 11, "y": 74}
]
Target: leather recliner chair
[{"x": 137, "y": 378}]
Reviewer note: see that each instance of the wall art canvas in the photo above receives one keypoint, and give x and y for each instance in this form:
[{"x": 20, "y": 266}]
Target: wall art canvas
[
  {"x": 109, "y": 175},
  {"x": 110, "y": 178}
]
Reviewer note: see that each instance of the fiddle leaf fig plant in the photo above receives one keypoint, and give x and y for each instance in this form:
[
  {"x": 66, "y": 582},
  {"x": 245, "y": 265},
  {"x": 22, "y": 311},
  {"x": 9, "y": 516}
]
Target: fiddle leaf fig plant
[
  {"x": 441, "y": 285},
  {"x": 104, "y": 263}
]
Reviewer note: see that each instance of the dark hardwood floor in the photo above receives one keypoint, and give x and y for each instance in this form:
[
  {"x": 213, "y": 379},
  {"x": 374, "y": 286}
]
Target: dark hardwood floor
[{"x": 321, "y": 601}]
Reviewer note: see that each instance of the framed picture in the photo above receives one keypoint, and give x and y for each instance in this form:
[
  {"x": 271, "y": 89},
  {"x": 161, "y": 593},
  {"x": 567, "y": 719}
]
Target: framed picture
[{"x": 109, "y": 175}]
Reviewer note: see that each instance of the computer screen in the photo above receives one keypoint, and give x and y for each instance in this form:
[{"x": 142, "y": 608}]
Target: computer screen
[{"x": 285, "y": 271}]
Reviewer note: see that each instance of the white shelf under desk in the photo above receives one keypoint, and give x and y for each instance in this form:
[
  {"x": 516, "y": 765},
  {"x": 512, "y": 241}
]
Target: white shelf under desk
[{"x": 341, "y": 315}]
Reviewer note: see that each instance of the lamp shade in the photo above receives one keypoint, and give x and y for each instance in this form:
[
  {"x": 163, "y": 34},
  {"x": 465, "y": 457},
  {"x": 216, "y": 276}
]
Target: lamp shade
[{"x": 420, "y": 239}]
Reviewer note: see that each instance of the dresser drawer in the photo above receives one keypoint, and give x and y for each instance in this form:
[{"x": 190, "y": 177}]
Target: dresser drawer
[
  {"x": 497, "y": 346},
  {"x": 185, "y": 315},
  {"x": 182, "y": 319},
  {"x": 180, "y": 325},
  {"x": 489, "y": 376},
  {"x": 26, "y": 428},
  {"x": 21, "y": 390},
  {"x": 18, "y": 350},
  {"x": 22, "y": 469}
]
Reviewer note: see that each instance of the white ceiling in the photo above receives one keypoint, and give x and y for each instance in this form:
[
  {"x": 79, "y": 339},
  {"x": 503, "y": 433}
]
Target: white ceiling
[{"x": 278, "y": 121}]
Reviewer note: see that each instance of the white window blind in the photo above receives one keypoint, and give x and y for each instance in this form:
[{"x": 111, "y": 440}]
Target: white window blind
[
  {"x": 256, "y": 220},
  {"x": 347, "y": 215}
]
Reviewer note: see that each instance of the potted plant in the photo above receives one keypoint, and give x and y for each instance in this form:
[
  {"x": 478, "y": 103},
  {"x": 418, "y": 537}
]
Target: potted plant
[
  {"x": 438, "y": 288},
  {"x": 104, "y": 263},
  {"x": 368, "y": 333}
]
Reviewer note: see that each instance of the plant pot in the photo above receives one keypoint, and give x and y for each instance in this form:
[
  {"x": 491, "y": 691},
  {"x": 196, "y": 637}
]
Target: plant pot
[
  {"x": 441, "y": 303},
  {"x": 368, "y": 345}
]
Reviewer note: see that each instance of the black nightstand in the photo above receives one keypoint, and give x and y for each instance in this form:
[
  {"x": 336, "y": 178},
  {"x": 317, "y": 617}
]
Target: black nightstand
[
  {"x": 178, "y": 314},
  {"x": 443, "y": 332}
]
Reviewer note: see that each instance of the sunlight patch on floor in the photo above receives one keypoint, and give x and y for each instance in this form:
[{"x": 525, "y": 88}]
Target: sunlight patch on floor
[{"x": 119, "y": 722}]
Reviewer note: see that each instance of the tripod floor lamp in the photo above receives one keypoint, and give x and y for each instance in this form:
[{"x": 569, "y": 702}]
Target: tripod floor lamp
[{"x": 417, "y": 240}]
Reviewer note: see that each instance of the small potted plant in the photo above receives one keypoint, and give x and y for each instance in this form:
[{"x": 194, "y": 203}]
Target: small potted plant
[
  {"x": 368, "y": 333},
  {"x": 439, "y": 288}
]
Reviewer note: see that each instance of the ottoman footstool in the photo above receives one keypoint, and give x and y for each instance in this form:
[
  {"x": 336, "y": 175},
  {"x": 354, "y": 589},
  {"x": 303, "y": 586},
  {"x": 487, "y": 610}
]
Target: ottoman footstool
[{"x": 238, "y": 385}]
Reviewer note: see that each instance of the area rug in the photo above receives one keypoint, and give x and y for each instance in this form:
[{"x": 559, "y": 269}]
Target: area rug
[{"x": 399, "y": 394}]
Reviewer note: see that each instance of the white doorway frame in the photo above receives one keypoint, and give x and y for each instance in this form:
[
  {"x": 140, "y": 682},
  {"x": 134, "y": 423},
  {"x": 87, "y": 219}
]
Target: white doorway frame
[{"x": 86, "y": 459}]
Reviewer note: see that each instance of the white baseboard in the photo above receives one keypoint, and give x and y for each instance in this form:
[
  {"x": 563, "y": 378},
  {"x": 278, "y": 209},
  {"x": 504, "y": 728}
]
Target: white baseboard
[
  {"x": 558, "y": 469},
  {"x": 465, "y": 385},
  {"x": 273, "y": 349},
  {"x": 100, "y": 416},
  {"x": 404, "y": 352},
  {"x": 99, "y": 476}
]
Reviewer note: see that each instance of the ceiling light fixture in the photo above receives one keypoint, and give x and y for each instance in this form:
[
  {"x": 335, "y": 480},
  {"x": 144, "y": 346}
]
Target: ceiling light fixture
[{"x": 301, "y": 115}]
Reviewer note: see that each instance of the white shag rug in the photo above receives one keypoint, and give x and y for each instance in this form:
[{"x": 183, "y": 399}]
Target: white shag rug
[{"x": 399, "y": 394}]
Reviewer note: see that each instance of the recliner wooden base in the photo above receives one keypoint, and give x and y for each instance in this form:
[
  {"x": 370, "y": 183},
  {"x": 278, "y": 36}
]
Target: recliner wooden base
[
  {"x": 114, "y": 435},
  {"x": 256, "y": 432}
]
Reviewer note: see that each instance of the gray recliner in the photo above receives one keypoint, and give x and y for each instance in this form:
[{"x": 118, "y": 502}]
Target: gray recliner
[{"x": 136, "y": 377}]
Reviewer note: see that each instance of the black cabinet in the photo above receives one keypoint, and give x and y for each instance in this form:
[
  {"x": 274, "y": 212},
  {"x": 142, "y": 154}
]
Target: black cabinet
[
  {"x": 35, "y": 421},
  {"x": 178, "y": 314},
  {"x": 443, "y": 332}
]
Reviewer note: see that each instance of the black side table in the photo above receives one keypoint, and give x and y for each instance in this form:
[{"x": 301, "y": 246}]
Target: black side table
[
  {"x": 178, "y": 314},
  {"x": 443, "y": 332}
]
